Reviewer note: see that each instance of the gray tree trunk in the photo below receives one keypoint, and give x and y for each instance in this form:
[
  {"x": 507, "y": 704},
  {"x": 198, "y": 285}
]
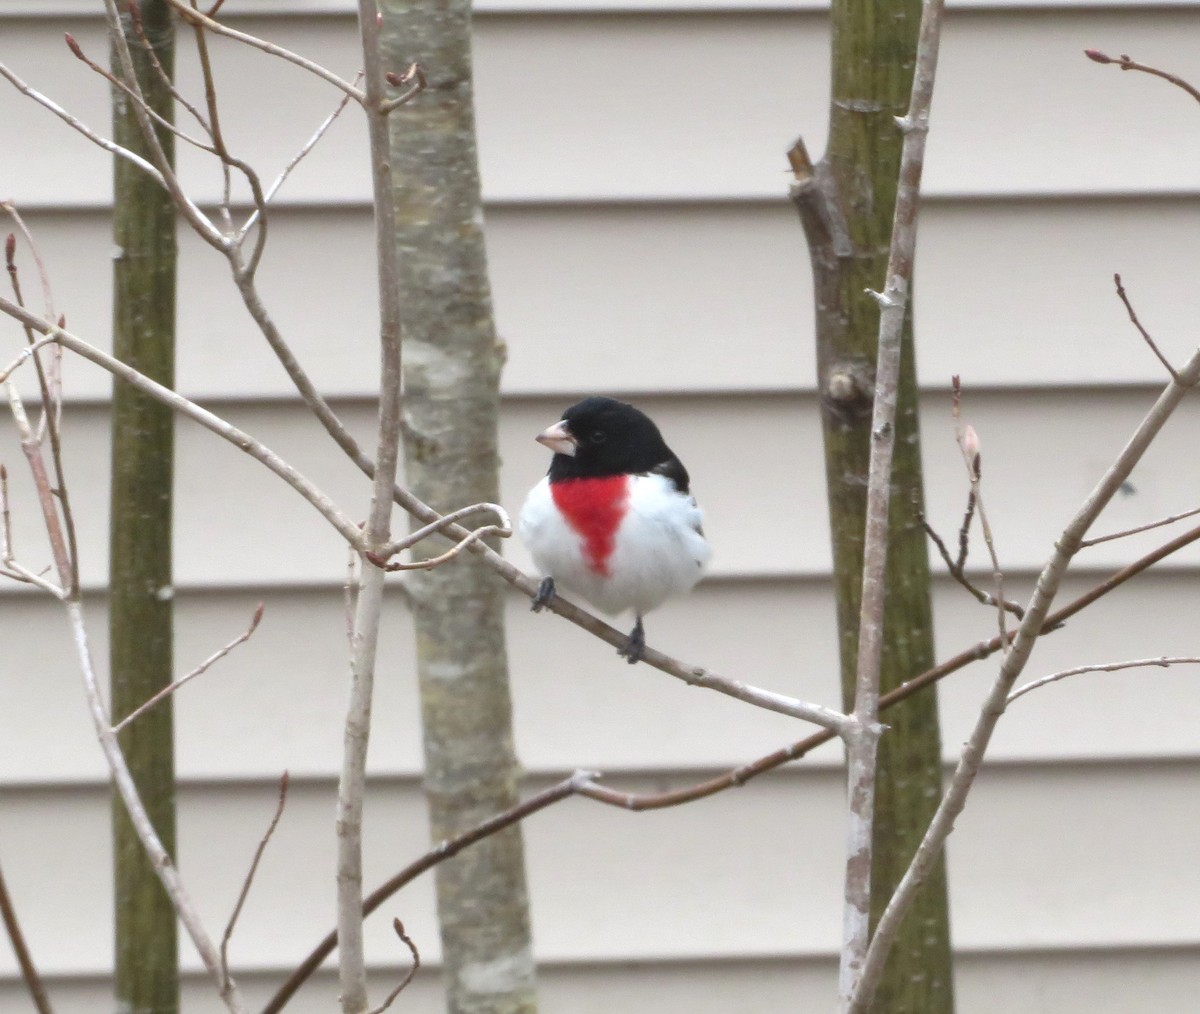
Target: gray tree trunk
[
  {"x": 874, "y": 48},
  {"x": 452, "y": 363},
  {"x": 139, "y": 599}
]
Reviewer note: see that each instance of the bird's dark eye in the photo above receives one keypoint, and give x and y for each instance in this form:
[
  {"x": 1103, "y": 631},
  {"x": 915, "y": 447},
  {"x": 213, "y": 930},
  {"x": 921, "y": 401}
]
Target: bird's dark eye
[{"x": 599, "y": 436}]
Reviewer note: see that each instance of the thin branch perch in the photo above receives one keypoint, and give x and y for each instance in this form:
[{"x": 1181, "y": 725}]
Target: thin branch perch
[
  {"x": 249, "y": 878},
  {"x": 1161, "y": 662},
  {"x": 203, "y": 667}
]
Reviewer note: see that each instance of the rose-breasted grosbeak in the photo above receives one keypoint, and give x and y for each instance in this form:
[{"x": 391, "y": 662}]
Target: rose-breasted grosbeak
[{"x": 613, "y": 521}]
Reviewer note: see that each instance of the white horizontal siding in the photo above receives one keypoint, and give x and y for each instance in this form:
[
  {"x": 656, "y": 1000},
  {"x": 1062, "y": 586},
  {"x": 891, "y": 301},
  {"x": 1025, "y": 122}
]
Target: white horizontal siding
[
  {"x": 277, "y": 702},
  {"x": 240, "y": 525},
  {"x": 292, "y": 8},
  {"x": 673, "y": 297},
  {"x": 1063, "y": 982},
  {"x": 641, "y": 243},
  {"x": 753, "y": 873},
  {"x": 670, "y": 107}
]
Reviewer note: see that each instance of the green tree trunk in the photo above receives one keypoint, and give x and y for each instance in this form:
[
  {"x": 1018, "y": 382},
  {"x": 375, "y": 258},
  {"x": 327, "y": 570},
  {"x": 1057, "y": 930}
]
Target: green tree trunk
[
  {"x": 140, "y": 590},
  {"x": 874, "y": 46},
  {"x": 452, "y": 363}
]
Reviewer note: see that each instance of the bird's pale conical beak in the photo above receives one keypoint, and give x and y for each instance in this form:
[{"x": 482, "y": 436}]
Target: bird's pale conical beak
[{"x": 558, "y": 439}]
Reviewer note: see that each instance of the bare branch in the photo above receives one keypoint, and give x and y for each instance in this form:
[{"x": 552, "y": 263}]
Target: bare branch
[
  {"x": 414, "y": 77},
  {"x": 430, "y": 859},
  {"x": 204, "y": 666},
  {"x": 25, "y": 355},
  {"x": 49, "y": 381},
  {"x": 195, "y": 18},
  {"x": 228, "y": 160},
  {"x": 1014, "y": 663},
  {"x": 955, "y": 567},
  {"x": 168, "y": 82},
  {"x": 1162, "y": 662},
  {"x": 1140, "y": 528},
  {"x": 29, "y": 972},
  {"x": 862, "y": 745},
  {"x": 352, "y": 971},
  {"x": 199, "y": 222},
  {"x": 398, "y": 926},
  {"x": 502, "y": 530},
  {"x": 255, "y": 448},
  {"x": 968, "y": 443},
  {"x": 308, "y": 146},
  {"x": 119, "y": 84},
  {"x": 249, "y": 878},
  {"x": 1138, "y": 324},
  {"x": 1126, "y": 63},
  {"x": 10, "y": 263},
  {"x": 8, "y": 565},
  {"x": 160, "y": 859},
  {"x": 78, "y": 125},
  {"x": 585, "y": 783},
  {"x": 45, "y": 493}
]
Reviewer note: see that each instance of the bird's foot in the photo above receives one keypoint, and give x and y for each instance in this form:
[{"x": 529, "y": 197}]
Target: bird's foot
[
  {"x": 544, "y": 594},
  {"x": 635, "y": 647}
]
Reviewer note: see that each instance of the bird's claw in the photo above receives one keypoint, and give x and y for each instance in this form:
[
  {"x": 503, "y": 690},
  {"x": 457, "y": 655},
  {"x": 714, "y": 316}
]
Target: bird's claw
[
  {"x": 544, "y": 594},
  {"x": 635, "y": 648}
]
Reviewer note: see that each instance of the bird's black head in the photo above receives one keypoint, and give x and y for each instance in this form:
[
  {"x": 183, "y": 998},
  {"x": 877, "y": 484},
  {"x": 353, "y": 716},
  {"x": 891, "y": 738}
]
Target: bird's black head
[{"x": 602, "y": 436}]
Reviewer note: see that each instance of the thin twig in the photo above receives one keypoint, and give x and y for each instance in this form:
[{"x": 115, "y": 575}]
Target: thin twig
[
  {"x": 1138, "y": 324},
  {"x": 194, "y": 17},
  {"x": 29, "y": 972},
  {"x": 8, "y": 565},
  {"x": 160, "y": 860},
  {"x": 693, "y": 675},
  {"x": 585, "y": 783},
  {"x": 243, "y": 441},
  {"x": 49, "y": 383},
  {"x": 199, "y": 222},
  {"x": 502, "y": 530},
  {"x": 504, "y": 527},
  {"x": 1126, "y": 63},
  {"x": 203, "y": 667},
  {"x": 1140, "y": 528},
  {"x": 10, "y": 251},
  {"x": 398, "y": 926},
  {"x": 249, "y": 878},
  {"x": 308, "y": 146},
  {"x": 168, "y": 82},
  {"x": 955, "y": 567},
  {"x": 45, "y": 493},
  {"x": 968, "y": 443},
  {"x": 78, "y": 125},
  {"x": 404, "y": 97},
  {"x": 430, "y": 859},
  {"x": 121, "y": 85},
  {"x": 1163, "y": 662},
  {"x": 352, "y": 970},
  {"x": 214, "y": 121},
  {"x": 228, "y": 160},
  {"x": 25, "y": 355},
  {"x": 1031, "y": 626}
]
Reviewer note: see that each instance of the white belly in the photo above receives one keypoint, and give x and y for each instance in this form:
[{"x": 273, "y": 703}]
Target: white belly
[{"x": 658, "y": 553}]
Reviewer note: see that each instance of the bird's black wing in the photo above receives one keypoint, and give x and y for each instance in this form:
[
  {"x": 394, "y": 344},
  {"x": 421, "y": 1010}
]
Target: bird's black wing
[{"x": 673, "y": 469}]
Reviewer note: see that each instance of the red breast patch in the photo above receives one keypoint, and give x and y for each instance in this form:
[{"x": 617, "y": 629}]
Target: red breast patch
[{"x": 594, "y": 508}]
